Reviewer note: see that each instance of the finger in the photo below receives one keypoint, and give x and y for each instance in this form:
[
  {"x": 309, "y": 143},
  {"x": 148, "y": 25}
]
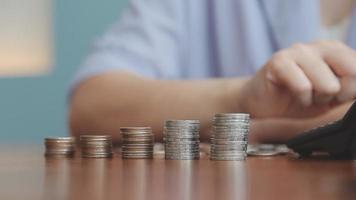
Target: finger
[
  {"x": 325, "y": 83},
  {"x": 287, "y": 73},
  {"x": 348, "y": 89},
  {"x": 341, "y": 58}
]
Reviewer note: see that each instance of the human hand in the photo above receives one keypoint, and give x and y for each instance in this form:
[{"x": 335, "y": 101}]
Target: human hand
[{"x": 303, "y": 80}]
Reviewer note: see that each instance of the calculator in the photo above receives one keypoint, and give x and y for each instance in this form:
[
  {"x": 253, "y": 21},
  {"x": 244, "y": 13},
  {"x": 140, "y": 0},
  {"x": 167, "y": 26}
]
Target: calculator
[{"x": 337, "y": 139}]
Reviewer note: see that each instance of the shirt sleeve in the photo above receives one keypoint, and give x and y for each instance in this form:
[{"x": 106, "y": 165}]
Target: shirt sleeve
[{"x": 147, "y": 40}]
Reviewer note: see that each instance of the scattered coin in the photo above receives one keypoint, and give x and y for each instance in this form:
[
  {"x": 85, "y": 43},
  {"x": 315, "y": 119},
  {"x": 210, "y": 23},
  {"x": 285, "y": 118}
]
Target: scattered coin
[
  {"x": 181, "y": 139},
  {"x": 229, "y": 136},
  {"x": 267, "y": 150}
]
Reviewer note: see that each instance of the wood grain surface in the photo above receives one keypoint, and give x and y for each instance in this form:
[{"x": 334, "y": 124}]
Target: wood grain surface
[{"x": 26, "y": 174}]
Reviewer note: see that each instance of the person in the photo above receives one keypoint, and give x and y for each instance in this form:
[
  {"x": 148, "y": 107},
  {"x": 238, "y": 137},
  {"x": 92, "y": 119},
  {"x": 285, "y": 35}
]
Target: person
[{"x": 290, "y": 64}]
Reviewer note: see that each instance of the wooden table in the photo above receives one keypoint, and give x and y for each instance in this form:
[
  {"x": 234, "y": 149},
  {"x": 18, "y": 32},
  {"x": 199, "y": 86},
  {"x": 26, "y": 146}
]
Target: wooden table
[{"x": 26, "y": 174}]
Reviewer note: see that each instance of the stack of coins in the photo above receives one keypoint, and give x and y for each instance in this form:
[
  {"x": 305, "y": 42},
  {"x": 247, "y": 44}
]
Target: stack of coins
[
  {"x": 96, "y": 146},
  {"x": 181, "y": 139},
  {"x": 229, "y": 136},
  {"x": 60, "y": 146},
  {"x": 137, "y": 142}
]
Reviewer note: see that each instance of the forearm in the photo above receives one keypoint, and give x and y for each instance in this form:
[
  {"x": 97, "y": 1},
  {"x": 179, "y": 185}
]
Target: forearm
[
  {"x": 106, "y": 102},
  {"x": 274, "y": 130}
]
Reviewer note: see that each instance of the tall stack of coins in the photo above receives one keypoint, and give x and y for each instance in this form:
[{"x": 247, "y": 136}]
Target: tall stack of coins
[
  {"x": 60, "y": 146},
  {"x": 96, "y": 146},
  {"x": 229, "y": 136},
  {"x": 137, "y": 142},
  {"x": 181, "y": 139}
]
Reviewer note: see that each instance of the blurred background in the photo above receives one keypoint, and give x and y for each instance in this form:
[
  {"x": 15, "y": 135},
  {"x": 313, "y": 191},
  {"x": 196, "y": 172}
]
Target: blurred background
[{"x": 33, "y": 96}]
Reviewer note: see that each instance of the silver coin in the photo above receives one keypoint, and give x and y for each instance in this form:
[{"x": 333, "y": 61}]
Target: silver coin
[
  {"x": 180, "y": 139},
  {"x": 228, "y": 128},
  {"x": 181, "y": 150},
  {"x": 227, "y": 141},
  {"x": 232, "y": 115},
  {"x": 137, "y": 157},
  {"x": 228, "y": 135},
  {"x": 182, "y": 158},
  {"x": 56, "y": 139},
  {"x": 181, "y": 122},
  {"x": 138, "y": 142},
  {"x": 137, "y": 154},
  {"x": 227, "y": 153},
  {"x": 59, "y": 143},
  {"x": 237, "y": 119},
  {"x": 230, "y": 146},
  {"x": 193, "y": 138},
  {"x": 181, "y": 147},
  {"x": 125, "y": 129},
  {"x": 137, "y": 146},
  {"x": 93, "y": 144},
  {"x": 180, "y": 135},
  {"x": 263, "y": 153},
  {"x": 61, "y": 149},
  {"x": 96, "y": 153},
  {"x": 231, "y": 119},
  {"x": 59, "y": 152},
  {"x": 59, "y": 155},
  {"x": 137, "y": 150},
  {"x": 137, "y": 139},
  {"x": 172, "y": 153},
  {"x": 137, "y": 136},
  {"x": 96, "y": 156},
  {"x": 196, "y": 142},
  {"x": 238, "y": 124},
  {"x": 180, "y": 132},
  {"x": 96, "y": 149},
  {"x": 228, "y": 158},
  {"x": 228, "y": 149},
  {"x": 94, "y": 137}
]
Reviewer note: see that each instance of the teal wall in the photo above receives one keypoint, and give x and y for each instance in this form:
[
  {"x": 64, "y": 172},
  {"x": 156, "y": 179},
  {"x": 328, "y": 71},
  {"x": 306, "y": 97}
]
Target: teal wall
[{"x": 34, "y": 107}]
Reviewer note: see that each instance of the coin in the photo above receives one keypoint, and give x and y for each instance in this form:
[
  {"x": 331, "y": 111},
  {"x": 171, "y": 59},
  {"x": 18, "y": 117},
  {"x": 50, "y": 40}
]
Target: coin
[
  {"x": 96, "y": 146},
  {"x": 181, "y": 139},
  {"x": 266, "y": 150},
  {"x": 229, "y": 136},
  {"x": 59, "y": 146},
  {"x": 137, "y": 142}
]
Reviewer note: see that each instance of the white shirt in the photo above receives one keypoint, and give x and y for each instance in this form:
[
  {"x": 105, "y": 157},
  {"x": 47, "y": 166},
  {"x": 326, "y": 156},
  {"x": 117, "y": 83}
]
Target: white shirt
[{"x": 195, "y": 39}]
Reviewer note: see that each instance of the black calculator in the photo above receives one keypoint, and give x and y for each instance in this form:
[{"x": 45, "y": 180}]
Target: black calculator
[{"x": 337, "y": 139}]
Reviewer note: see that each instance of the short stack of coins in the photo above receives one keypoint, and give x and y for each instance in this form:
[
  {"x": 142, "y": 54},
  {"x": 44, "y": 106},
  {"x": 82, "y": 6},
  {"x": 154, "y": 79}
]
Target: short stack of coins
[
  {"x": 229, "y": 136},
  {"x": 181, "y": 139},
  {"x": 96, "y": 146},
  {"x": 137, "y": 142},
  {"x": 59, "y": 146}
]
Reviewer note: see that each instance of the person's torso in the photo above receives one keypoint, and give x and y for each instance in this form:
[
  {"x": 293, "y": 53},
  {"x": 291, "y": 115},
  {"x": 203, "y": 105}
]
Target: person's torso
[{"x": 236, "y": 37}]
